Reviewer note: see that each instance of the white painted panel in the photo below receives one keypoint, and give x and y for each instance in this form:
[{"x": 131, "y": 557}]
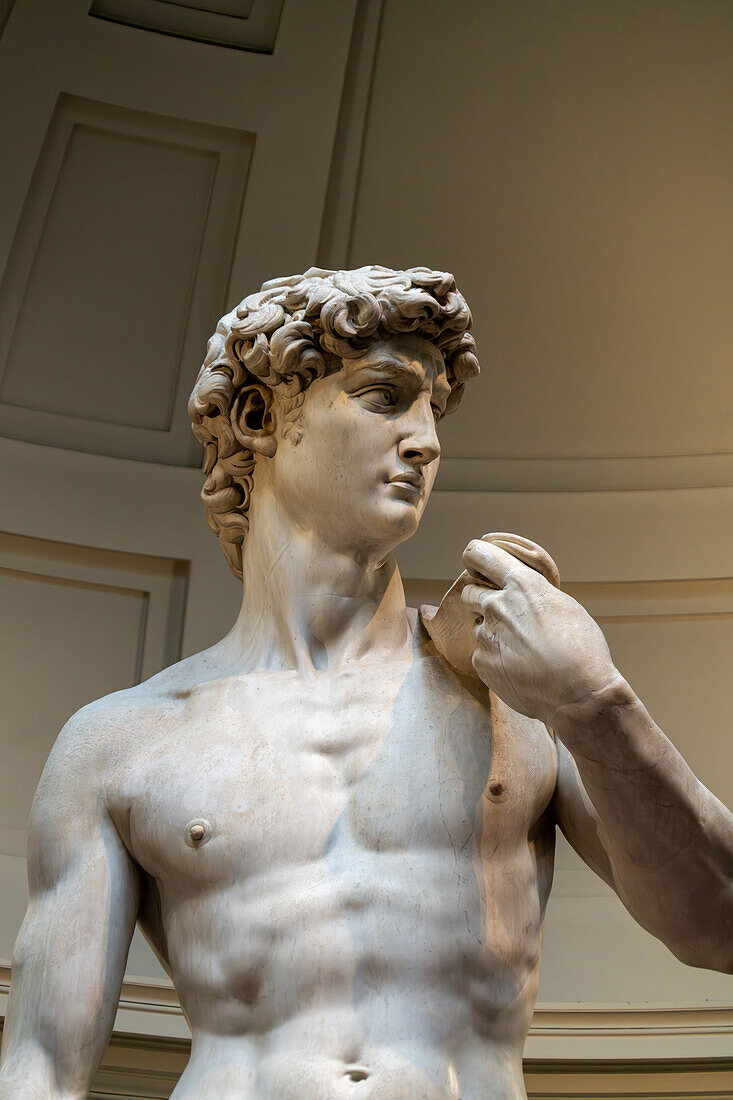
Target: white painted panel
[
  {"x": 117, "y": 255},
  {"x": 66, "y": 643}
]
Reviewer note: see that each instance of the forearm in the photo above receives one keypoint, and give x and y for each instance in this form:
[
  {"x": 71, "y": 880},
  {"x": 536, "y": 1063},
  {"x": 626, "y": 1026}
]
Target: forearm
[
  {"x": 29, "y": 1075},
  {"x": 69, "y": 958},
  {"x": 53, "y": 1038},
  {"x": 67, "y": 970},
  {"x": 669, "y": 840},
  {"x": 31, "y": 1067}
]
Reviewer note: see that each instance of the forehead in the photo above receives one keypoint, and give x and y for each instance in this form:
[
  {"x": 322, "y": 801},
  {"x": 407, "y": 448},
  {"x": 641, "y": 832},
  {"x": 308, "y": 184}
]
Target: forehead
[{"x": 413, "y": 354}]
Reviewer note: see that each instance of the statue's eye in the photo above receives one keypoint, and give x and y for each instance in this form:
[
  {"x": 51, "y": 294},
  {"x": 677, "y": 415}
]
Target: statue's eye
[{"x": 381, "y": 396}]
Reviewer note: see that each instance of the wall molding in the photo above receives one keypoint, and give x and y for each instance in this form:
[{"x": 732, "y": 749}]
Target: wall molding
[
  {"x": 160, "y": 581},
  {"x": 148, "y": 1068},
  {"x": 255, "y": 30},
  {"x": 694, "y": 471},
  {"x": 559, "y": 1032},
  {"x": 686, "y": 1079}
]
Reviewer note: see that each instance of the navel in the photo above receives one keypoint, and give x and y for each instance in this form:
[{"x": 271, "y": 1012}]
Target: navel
[{"x": 356, "y": 1074}]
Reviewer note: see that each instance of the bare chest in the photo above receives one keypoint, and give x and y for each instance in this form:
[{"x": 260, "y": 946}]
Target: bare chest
[{"x": 274, "y": 771}]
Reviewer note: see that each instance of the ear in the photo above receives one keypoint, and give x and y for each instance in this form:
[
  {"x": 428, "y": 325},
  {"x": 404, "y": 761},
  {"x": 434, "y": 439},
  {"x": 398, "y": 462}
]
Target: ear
[{"x": 253, "y": 421}]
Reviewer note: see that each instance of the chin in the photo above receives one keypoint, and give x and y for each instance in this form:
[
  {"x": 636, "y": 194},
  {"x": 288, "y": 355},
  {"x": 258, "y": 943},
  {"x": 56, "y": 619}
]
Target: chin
[{"x": 398, "y": 522}]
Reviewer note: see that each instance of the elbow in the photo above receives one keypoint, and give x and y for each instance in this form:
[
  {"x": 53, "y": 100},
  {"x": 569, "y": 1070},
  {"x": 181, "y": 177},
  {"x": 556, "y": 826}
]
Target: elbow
[
  {"x": 701, "y": 934},
  {"x": 704, "y": 960},
  {"x": 710, "y": 952}
]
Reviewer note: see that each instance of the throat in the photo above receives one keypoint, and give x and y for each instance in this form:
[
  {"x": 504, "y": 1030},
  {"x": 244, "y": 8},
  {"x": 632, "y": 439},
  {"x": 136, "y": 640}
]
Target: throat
[{"x": 310, "y": 608}]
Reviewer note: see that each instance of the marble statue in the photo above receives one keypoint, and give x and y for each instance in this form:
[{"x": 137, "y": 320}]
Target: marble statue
[{"x": 336, "y": 826}]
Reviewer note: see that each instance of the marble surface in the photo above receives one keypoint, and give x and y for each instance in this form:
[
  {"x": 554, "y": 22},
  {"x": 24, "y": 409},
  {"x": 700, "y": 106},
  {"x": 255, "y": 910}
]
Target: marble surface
[{"x": 336, "y": 826}]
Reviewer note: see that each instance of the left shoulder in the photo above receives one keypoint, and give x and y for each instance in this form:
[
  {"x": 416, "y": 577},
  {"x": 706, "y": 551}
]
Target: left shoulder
[{"x": 453, "y": 649}]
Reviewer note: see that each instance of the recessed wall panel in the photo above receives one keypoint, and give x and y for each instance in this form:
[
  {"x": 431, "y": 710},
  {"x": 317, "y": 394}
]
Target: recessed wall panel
[
  {"x": 71, "y": 642},
  {"x": 104, "y": 313},
  {"x": 241, "y": 24},
  {"x": 117, "y": 273},
  {"x": 78, "y": 624},
  {"x": 240, "y": 9}
]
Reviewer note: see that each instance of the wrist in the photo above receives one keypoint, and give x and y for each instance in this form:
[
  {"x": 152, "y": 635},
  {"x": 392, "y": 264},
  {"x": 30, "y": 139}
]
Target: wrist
[{"x": 594, "y": 706}]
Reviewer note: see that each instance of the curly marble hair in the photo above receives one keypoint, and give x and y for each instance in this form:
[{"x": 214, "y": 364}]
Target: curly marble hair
[{"x": 298, "y": 329}]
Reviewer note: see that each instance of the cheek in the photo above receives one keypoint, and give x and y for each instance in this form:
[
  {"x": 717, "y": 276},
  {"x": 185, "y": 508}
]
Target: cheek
[
  {"x": 319, "y": 465},
  {"x": 350, "y": 440}
]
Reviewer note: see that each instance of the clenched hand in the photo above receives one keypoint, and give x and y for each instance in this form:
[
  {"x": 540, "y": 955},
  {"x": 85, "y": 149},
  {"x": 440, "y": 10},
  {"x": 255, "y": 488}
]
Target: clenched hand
[{"x": 536, "y": 647}]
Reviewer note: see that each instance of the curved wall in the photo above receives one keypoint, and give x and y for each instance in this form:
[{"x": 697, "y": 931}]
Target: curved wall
[{"x": 570, "y": 162}]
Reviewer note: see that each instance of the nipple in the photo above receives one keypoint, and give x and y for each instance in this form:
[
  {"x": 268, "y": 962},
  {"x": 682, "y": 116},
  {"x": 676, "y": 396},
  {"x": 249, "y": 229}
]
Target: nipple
[
  {"x": 198, "y": 832},
  {"x": 356, "y": 1074},
  {"x": 497, "y": 790}
]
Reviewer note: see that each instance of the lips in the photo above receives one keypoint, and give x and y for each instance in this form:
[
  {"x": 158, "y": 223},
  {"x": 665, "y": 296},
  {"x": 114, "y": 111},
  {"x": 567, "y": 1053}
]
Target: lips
[{"x": 409, "y": 480}]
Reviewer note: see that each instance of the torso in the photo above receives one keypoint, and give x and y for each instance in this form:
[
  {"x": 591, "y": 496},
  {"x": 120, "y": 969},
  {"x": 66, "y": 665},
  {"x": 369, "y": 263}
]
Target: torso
[{"x": 363, "y": 913}]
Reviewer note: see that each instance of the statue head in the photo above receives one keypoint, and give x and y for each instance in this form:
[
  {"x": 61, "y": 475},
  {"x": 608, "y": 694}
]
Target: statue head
[{"x": 268, "y": 352}]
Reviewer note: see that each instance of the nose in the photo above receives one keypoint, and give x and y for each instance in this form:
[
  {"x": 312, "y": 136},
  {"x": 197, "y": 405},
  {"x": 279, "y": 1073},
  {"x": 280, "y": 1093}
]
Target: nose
[{"x": 419, "y": 444}]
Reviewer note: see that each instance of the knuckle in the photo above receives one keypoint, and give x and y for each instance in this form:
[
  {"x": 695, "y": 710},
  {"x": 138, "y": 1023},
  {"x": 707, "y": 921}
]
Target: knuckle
[
  {"x": 484, "y": 603},
  {"x": 518, "y": 578}
]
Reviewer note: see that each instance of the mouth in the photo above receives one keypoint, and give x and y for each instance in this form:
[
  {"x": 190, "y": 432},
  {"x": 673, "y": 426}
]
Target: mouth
[{"x": 410, "y": 483}]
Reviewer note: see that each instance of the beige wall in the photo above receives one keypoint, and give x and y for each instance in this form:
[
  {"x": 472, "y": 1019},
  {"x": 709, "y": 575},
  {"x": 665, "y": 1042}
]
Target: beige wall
[{"x": 570, "y": 160}]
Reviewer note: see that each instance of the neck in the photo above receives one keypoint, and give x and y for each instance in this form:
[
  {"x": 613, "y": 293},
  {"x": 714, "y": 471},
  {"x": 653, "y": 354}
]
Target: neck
[{"x": 309, "y": 606}]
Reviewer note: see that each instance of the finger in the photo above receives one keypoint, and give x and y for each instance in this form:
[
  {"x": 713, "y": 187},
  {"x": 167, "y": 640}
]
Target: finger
[
  {"x": 480, "y": 599},
  {"x": 490, "y": 562},
  {"x": 528, "y": 552}
]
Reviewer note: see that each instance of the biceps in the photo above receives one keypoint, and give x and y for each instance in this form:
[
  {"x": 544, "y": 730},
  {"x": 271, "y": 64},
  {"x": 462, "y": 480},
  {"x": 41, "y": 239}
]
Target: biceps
[{"x": 577, "y": 817}]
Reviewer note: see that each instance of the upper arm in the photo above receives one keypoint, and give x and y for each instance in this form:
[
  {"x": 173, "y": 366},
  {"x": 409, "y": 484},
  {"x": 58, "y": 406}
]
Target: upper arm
[
  {"x": 72, "y": 947},
  {"x": 577, "y": 818}
]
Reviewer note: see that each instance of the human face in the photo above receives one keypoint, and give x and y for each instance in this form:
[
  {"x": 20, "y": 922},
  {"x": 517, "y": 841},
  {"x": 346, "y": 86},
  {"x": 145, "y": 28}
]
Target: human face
[{"x": 362, "y": 472}]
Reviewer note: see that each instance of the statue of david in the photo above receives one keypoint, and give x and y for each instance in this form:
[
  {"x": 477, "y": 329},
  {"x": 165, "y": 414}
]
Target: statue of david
[{"x": 336, "y": 826}]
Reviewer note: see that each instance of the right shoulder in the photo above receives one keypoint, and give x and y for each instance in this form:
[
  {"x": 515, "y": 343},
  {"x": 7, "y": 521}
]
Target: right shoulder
[
  {"x": 83, "y": 754},
  {"x": 104, "y": 733},
  {"x": 72, "y": 798},
  {"x": 73, "y": 801},
  {"x": 105, "y": 744}
]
